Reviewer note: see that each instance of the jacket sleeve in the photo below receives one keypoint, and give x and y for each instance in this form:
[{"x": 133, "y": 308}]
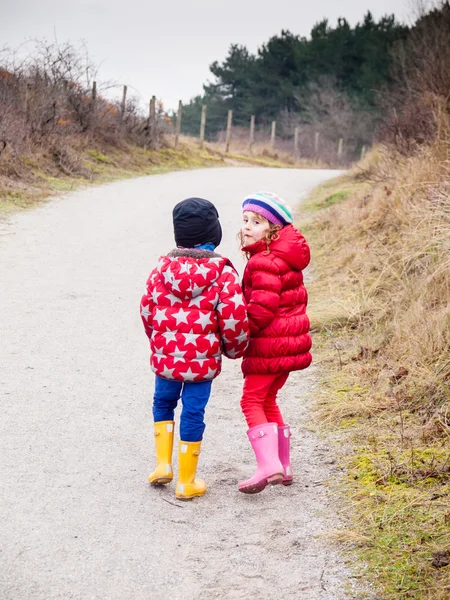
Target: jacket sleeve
[
  {"x": 147, "y": 305},
  {"x": 265, "y": 295},
  {"x": 231, "y": 314}
]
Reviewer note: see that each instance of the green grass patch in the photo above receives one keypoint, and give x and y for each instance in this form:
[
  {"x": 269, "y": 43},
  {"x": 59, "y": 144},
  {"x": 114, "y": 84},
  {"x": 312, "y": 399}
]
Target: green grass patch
[
  {"x": 99, "y": 157},
  {"x": 404, "y": 527}
]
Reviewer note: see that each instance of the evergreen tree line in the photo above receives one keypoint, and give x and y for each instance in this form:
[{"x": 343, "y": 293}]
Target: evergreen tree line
[{"x": 328, "y": 82}]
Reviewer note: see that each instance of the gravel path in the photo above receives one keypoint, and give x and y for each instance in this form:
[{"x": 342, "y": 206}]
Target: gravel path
[{"x": 78, "y": 518}]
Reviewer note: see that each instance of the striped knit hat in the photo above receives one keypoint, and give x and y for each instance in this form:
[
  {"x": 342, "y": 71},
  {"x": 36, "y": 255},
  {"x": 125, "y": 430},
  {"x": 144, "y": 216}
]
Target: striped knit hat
[{"x": 270, "y": 206}]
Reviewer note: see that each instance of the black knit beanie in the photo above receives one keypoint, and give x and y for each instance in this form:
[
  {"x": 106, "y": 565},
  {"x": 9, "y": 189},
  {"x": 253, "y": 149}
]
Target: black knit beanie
[{"x": 196, "y": 222}]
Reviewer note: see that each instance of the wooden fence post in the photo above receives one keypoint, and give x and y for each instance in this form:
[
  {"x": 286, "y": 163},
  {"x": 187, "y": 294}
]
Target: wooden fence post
[
  {"x": 202, "y": 125},
  {"x": 272, "y": 134},
  {"x": 152, "y": 122},
  {"x": 296, "y": 146},
  {"x": 340, "y": 147},
  {"x": 178, "y": 127},
  {"x": 316, "y": 144},
  {"x": 252, "y": 132},
  {"x": 124, "y": 100},
  {"x": 228, "y": 136}
]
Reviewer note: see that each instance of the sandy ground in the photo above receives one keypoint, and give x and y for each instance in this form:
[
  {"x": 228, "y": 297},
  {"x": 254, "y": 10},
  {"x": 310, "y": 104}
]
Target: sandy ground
[{"x": 79, "y": 520}]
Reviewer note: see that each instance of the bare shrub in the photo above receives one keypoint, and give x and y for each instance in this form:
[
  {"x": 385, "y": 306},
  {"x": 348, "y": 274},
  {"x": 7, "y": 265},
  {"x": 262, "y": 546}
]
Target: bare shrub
[
  {"x": 328, "y": 112},
  {"x": 51, "y": 94},
  {"x": 421, "y": 72}
]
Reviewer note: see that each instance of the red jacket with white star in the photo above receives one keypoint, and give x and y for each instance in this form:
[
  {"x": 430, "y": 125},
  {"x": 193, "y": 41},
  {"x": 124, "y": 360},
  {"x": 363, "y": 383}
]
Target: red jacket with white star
[
  {"x": 193, "y": 312},
  {"x": 276, "y": 305}
]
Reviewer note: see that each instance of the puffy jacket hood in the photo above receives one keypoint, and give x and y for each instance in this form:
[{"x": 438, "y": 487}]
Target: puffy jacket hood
[
  {"x": 289, "y": 246},
  {"x": 187, "y": 273}
]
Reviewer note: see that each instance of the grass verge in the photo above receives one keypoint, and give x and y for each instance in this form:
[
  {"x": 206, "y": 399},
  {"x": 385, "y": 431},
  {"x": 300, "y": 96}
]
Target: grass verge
[
  {"x": 27, "y": 179},
  {"x": 380, "y": 311}
]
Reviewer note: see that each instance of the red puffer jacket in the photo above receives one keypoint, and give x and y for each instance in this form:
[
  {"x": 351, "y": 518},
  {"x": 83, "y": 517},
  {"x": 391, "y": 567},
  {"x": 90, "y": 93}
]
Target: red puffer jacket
[
  {"x": 276, "y": 305},
  {"x": 193, "y": 312}
]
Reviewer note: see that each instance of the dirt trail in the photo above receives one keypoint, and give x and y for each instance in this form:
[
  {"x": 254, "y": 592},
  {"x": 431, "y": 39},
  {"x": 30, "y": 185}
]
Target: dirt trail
[{"x": 79, "y": 520}]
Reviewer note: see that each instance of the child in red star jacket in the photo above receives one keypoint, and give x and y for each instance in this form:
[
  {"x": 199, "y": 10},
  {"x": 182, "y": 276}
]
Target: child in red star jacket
[
  {"x": 193, "y": 312},
  {"x": 279, "y": 340}
]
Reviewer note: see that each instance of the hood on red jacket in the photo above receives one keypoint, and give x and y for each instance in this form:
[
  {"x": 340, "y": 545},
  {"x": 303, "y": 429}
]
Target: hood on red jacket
[
  {"x": 187, "y": 277},
  {"x": 290, "y": 245}
]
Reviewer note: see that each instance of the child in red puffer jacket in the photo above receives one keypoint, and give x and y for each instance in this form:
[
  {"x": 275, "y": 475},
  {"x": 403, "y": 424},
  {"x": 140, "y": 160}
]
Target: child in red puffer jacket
[{"x": 279, "y": 340}]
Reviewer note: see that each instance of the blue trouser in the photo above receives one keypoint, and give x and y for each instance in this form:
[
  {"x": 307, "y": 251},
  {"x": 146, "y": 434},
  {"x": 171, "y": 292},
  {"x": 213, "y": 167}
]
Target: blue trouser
[{"x": 194, "y": 397}]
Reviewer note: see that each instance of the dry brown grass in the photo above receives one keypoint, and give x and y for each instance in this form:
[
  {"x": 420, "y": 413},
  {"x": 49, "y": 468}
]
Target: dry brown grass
[
  {"x": 380, "y": 308},
  {"x": 390, "y": 274},
  {"x": 261, "y": 153},
  {"x": 44, "y": 171}
]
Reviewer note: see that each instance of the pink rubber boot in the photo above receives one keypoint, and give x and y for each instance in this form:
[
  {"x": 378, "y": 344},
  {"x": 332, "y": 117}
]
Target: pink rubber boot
[
  {"x": 284, "y": 445},
  {"x": 269, "y": 470}
]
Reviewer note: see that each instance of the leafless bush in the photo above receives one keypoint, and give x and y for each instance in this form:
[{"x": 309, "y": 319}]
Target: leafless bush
[
  {"x": 51, "y": 94},
  {"x": 421, "y": 71},
  {"x": 327, "y": 115}
]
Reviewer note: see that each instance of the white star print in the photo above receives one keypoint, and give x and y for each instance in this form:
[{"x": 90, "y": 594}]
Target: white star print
[
  {"x": 240, "y": 338},
  {"x": 202, "y": 269},
  {"x": 211, "y": 373},
  {"x": 185, "y": 267},
  {"x": 189, "y": 375},
  {"x": 225, "y": 286},
  {"x": 190, "y": 338},
  {"x": 201, "y": 355},
  {"x": 228, "y": 269},
  {"x": 175, "y": 284},
  {"x": 232, "y": 353},
  {"x": 211, "y": 338},
  {"x": 160, "y": 316},
  {"x": 145, "y": 312},
  {"x": 197, "y": 289},
  {"x": 204, "y": 320},
  {"x": 230, "y": 324},
  {"x": 196, "y": 301},
  {"x": 155, "y": 295},
  {"x": 177, "y": 354},
  {"x": 170, "y": 336},
  {"x": 168, "y": 276},
  {"x": 237, "y": 299},
  {"x": 200, "y": 361},
  {"x": 167, "y": 373},
  {"x": 214, "y": 301},
  {"x": 161, "y": 262},
  {"x": 181, "y": 316},
  {"x": 173, "y": 299}
]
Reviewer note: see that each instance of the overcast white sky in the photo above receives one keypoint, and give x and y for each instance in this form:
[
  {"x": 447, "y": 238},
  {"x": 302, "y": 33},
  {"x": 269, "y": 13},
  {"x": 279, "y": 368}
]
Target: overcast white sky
[{"x": 165, "y": 48}]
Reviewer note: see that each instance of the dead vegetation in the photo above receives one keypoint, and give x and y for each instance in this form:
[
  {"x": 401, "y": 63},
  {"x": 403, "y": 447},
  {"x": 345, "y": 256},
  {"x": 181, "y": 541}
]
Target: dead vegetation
[
  {"x": 59, "y": 131},
  {"x": 380, "y": 307}
]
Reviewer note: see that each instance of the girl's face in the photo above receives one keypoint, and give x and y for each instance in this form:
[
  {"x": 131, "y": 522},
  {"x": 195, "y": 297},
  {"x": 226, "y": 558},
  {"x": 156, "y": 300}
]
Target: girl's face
[{"x": 254, "y": 227}]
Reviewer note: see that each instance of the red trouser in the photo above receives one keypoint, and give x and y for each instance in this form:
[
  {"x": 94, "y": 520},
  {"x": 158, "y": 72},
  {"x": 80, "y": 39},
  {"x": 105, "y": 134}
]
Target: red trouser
[{"x": 259, "y": 399}]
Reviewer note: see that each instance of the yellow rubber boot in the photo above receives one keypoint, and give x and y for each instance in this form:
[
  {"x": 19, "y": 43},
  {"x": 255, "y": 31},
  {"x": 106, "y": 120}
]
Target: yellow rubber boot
[
  {"x": 188, "y": 487},
  {"x": 164, "y": 445}
]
